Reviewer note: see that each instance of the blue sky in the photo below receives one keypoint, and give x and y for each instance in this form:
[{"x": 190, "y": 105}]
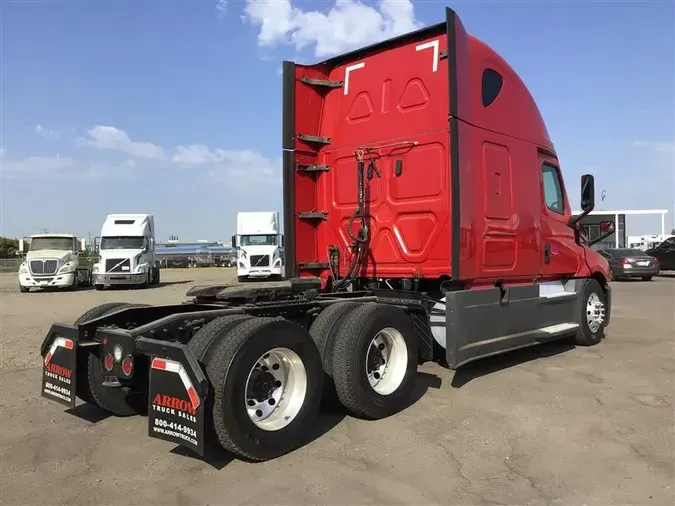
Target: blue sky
[{"x": 174, "y": 107}]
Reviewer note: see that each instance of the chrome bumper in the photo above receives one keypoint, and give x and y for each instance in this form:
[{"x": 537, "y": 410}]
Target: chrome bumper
[{"x": 118, "y": 279}]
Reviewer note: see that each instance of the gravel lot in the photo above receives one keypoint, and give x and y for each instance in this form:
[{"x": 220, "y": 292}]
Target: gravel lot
[{"x": 552, "y": 424}]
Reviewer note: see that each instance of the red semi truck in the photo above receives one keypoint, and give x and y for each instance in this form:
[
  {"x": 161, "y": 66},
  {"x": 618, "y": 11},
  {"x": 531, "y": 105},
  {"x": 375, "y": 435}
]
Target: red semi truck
[{"x": 425, "y": 219}]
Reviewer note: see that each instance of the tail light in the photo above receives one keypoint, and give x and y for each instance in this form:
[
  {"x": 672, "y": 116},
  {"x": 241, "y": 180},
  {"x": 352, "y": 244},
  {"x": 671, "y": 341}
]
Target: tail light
[
  {"x": 108, "y": 362},
  {"x": 625, "y": 261},
  {"x": 127, "y": 366}
]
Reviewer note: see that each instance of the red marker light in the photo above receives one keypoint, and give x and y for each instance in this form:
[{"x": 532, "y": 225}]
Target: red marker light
[
  {"x": 108, "y": 362},
  {"x": 127, "y": 366}
]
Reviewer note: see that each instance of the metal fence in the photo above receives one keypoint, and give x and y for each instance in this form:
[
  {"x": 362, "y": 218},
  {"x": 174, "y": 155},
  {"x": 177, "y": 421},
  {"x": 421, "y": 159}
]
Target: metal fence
[{"x": 12, "y": 264}]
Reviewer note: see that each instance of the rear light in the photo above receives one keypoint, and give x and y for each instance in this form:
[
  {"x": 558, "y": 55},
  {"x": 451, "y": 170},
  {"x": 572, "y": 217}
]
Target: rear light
[
  {"x": 625, "y": 261},
  {"x": 127, "y": 366},
  {"x": 108, "y": 362}
]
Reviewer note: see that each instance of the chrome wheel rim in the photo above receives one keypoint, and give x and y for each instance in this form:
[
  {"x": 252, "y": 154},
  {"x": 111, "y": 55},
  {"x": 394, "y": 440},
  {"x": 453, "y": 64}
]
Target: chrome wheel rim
[
  {"x": 275, "y": 389},
  {"x": 595, "y": 312},
  {"x": 386, "y": 361}
]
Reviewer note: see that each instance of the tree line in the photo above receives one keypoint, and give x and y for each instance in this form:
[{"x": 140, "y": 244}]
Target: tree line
[{"x": 8, "y": 247}]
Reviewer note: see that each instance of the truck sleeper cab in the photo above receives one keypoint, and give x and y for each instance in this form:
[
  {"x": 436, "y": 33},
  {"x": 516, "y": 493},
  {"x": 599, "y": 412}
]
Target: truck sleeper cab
[
  {"x": 127, "y": 252},
  {"x": 448, "y": 239},
  {"x": 259, "y": 246}
]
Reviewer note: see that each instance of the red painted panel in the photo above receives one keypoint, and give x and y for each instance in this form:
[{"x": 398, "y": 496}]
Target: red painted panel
[{"x": 392, "y": 112}]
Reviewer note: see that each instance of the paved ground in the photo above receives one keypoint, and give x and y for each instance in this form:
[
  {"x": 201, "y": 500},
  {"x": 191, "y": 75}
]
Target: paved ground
[{"x": 549, "y": 425}]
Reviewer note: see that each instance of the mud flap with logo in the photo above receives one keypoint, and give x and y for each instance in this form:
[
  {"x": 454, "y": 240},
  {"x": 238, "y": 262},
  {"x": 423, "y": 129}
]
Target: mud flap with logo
[
  {"x": 59, "y": 370},
  {"x": 176, "y": 397}
]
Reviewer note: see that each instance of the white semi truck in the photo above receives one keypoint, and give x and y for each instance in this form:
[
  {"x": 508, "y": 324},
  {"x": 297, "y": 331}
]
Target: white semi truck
[
  {"x": 127, "y": 252},
  {"x": 259, "y": 245},
  {"x": 52, "y": 261}
]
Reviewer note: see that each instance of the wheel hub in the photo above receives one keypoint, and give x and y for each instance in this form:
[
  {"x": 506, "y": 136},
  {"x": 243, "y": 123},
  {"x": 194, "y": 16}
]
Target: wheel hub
[
  {"x": 386, "y": 361},
  {"x": 275, "y": 389},
  {"x": 595, "y": 312}
]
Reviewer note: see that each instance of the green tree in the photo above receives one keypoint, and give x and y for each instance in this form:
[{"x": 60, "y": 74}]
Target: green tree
[{"x": 8, "y": 247}]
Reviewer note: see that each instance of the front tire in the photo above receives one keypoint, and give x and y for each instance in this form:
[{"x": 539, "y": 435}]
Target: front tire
[
  {"x": 375, "y": 361},
  {"x": 267, "y": 379},
  {"x": 647, "y": 278},
  {"x": 24, "y": 289},
  {"x": 593, "y": 310}
]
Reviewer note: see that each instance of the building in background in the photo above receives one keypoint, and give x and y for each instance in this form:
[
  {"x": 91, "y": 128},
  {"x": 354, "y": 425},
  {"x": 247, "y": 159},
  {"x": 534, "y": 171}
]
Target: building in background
[{"x": 619, "y": 239}]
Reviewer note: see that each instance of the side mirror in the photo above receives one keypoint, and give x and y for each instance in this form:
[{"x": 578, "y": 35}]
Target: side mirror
[
  {"x": 606, "y": 229},
  {"x": 234, "y": 241},
  {"x": 587, "y": 198},
  {"x": 587, "y": 193}
]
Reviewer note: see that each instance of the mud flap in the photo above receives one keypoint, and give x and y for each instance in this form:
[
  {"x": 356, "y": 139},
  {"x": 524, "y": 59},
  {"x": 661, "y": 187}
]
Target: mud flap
[
  {"x": 59, "y": 372},
  {"x": 177, "y": 392}
]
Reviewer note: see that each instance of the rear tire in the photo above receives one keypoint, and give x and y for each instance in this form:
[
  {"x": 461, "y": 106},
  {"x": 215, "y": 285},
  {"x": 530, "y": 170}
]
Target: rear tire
[
  {"x": 592, "y": 317},
  {"x": 75, "y": 284},
  {"x": 82, "y": 389},
  {"x": 323, "y": 330},
  {"x": 120, "y": 401},
  {"x": 98, "y": 287},
  {"x": 647, "y": 278},
  {"x": 202, "y": 341},
  {"x": 367, "y": 391},
  {"x": 247, "y": 355}
]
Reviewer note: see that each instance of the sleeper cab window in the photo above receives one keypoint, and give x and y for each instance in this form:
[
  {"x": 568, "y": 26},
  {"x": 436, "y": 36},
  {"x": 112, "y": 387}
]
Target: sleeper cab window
[
  {"x": 492, "y": 83},
  {"x": 553, "y": 195}
]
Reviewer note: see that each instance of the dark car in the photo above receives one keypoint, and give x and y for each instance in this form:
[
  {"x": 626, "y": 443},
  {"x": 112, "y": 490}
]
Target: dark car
[
  {"x": 665, "y": 253},
  {"x": 631, "y": 263}
]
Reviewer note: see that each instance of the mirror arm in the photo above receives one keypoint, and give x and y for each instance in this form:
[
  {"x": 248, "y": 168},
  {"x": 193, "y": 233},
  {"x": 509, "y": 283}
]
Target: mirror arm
[
  {"x": 600, "y": 237},
  {"x": 576, "y": 219}
]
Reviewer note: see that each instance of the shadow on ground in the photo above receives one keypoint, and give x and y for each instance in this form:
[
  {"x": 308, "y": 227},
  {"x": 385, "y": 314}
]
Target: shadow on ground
[
  {"x": 328, "y": 419},
  {"x": 489, "y": 365},
  {"x": 89, "y": 413}
]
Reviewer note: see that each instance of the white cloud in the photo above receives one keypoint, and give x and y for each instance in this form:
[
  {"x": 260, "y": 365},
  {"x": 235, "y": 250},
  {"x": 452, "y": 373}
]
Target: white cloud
[
  {"x": 35, "y": 166},
  {"x": 229, "y": 165},
  {"x": 196, "y": 154},
  {"x": 663, "y": 153},
  {"x": 47, "y": 133},
  {"x": 223, "y": 165},
  {"x": 347, "y": 25},
  {"x": 221, "y": 8},
  {"x": 109, "y": 137}
]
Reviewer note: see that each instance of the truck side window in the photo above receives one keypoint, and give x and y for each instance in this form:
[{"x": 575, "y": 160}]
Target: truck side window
[
  {"x": 553, "y": 194},
  {"x": 491, "y": 85}
]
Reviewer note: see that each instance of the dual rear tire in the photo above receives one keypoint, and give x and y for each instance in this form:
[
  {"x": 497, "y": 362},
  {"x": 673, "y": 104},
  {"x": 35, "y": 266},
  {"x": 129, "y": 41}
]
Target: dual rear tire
[
  {"x": 267, "y": 375},
  {"x": 265, "y": 383},
  {"x": 369, "y": 353}
]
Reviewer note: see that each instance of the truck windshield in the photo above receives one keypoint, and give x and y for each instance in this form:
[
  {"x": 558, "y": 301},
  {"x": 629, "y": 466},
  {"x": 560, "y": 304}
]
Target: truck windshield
[
  {"x": 258, "y": 240},
  {"x": 58, "y": 243},
  {"x": 123, "y": 242}
]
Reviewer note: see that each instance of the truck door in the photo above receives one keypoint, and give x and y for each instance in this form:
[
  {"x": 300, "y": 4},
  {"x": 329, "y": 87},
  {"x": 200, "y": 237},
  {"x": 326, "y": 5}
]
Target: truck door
[{"x": 560, "y": 253}]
